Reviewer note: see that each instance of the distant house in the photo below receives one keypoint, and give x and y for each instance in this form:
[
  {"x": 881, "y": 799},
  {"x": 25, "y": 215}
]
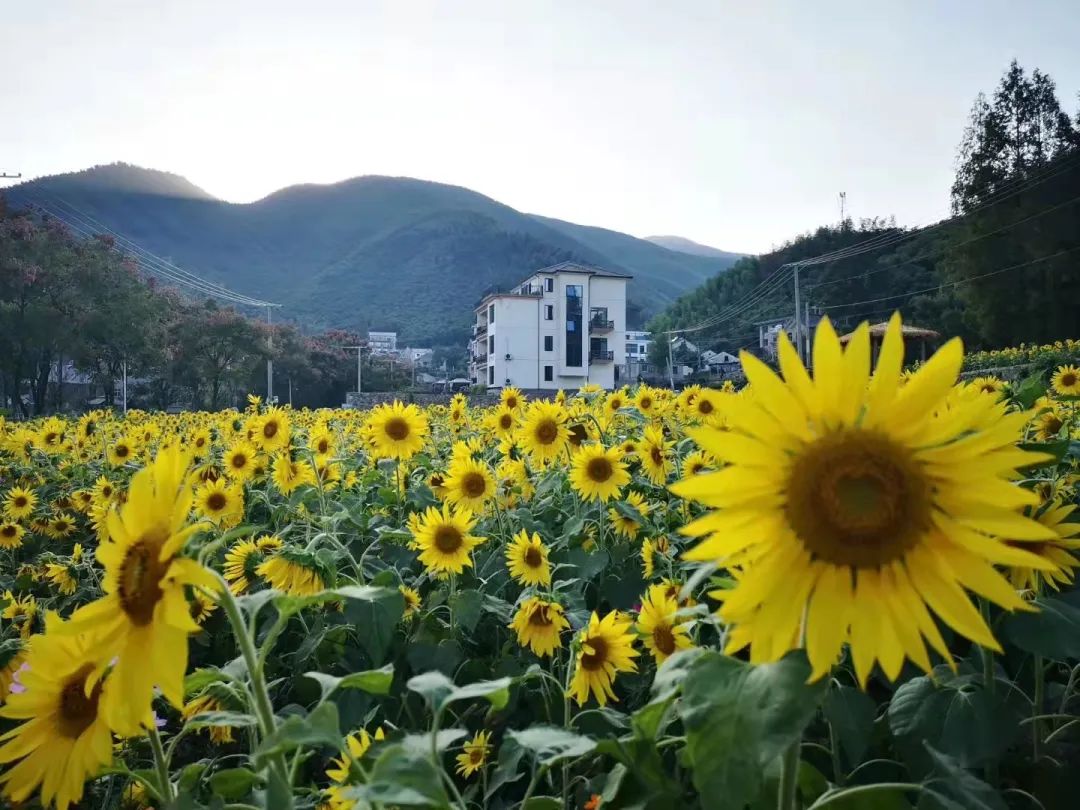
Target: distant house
[
  {"x": 718, "y": 362},
  {"x": 637, "y": 354},
  {"x": 382, "y": 342},
  {"x": 421, "y": 358},
  {"x": 562, "y": 327},
  {"x": 769, "y": 332}
]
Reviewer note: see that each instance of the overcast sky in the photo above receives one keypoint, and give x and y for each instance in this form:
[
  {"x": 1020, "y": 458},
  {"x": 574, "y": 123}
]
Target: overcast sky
[{"x": 732, "y": 123}]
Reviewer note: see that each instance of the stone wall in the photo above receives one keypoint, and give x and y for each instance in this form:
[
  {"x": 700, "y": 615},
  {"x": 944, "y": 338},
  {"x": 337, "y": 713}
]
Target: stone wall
[{"x": 369, "y": 400}]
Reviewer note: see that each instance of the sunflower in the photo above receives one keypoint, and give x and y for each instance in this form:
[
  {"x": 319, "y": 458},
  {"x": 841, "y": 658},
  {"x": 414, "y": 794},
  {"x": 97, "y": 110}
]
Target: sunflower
[
  {"x": 65, "y": 739},
  {"x": 220, "y": 503},
  {"x": 206, "y": 704},
  {"x": 11, "y": 534},
  {"x": 290, "y": 475},
  {"x": 605, "y": 647},
  {"x": 696, "y": 462},
  {"x": 527, "y": 560},
  {"x": 104, "y": 490},
  {"x": 436, "y": 483},
  {"x": 1048, "y": 424},
  {"x": 538, "y": 624},
  {"x": 201, "y": 607},
  {"x": 543, "y": 433},
  {"x": 627, "y": 525},
  {"x": 512, "y": 398},
  {"x": 239, "y": 461},
  {"x": 199, "y": 442},
  {"x": 9, "y": 672},
  {"x": 60, "y": 576},
  {"x": 502, "y": 422},
  {"x": 271, "y": 431},
  {"x": 653, "y": 452},
  {"x": 412, "y": 600},
  {"x": 648, "y": 559},
  {"x": 20, "y": 612},
  {"x": 646, "y": 401},
  {"x": 659, "y": 626},
  {"x": 444, "y": 541},
  {"x": 514, "y": 483},
  {"x": 1058, "y": 554},
  {"x": 243, "y": 559},
  {"x": 59, "y": 526},
  {"x": 121, "y": 451},
  {"x": 19, "y": 503},
  {"x": 321, "y": 442},
  {"x": 469, "y": 484},
  {"x": 855, "y": 504},
  {"x": 397, "y": 431},
  {"x": 1066, "y": 381},
  {"x": 142, "y": 620},
  {"x": 598, "y": 474},
  {"x": 614, "y": 402},
  {"x": 356, "y": 745},
  {"x": 988, "y": 385},
  {"x": 295, "y": 572},
  {"x": 474, "y": 753}
]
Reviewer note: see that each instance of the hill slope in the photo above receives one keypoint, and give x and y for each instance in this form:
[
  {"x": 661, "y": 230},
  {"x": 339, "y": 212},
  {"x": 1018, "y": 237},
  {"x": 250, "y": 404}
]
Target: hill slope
[
  {"x": 370, "y": 252},
  {"x": 684, "y": 245}
]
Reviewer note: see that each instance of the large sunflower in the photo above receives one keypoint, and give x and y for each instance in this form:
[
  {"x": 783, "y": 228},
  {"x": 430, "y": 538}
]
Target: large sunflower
[
  {"x": 270, "y": 432},
  {"x": 220, "y": 502},
  {"x": 527, "y": 560},
  {"x": 443, "y": 539},
  {"x": 660, "y": 628},
  {"x": 65, "y": 738},
  {"x": 1059, "y": 553},
  {"x": 605, "y": 647},
  {"x": 1066, "y": 380},
  {"x": 397, "y": 431},
  {"x": 512, "y": 398},
  {"x": 538, "y": 624},
  {"x": 239, "y": 461},
  {"x": 469, "y": 484},
  {"x": 652, "y": 450},
  {"x": 19, "y": 502},
  {"x": 854, "y": 504},
  {"x": 544, "y": 434},
  {"x": 142, "y": 620},
  {"x": 243, "y": 559},
  {"x": 598, "y": 474}
]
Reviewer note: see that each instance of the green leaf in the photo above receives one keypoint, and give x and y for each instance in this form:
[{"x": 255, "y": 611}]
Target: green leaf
[
  {"x": 506, "y": 768},
  {"x": 252, "y": 603},
  {"x": 1029, "y": 389},
  {"x": 851, "y": 713},
  {"x": 1053, "y": 632},
  {"x": 232, "y": 783},
  {"x": 543, "y": 803},
  {"x": 220, "y": 719},
  {"x": 960, "y": 788},
  {"x": 434, "y": 686},
  {"x": 289, "y": 605},
  {"x": 549, "y": 744},
  {"x": 739, "y": 718},
  {"x": 404, "y": 777},
  {"x": 190, "y": 776},
  {"x": 199, "y": 679},
  {"x": 1056, "y": 449},
  {"x": 466, "y": 606},
  {"x": 320, "y": 728},
  {"x": 440, "y": 690},
  {"x": 375, "y": 681},
  {"x": 376, "y": 616},
  {"x": 421, "y": 743}
]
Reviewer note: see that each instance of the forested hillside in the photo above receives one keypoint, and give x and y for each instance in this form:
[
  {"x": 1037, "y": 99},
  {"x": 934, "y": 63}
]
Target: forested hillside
[
  {"x": 371, "y": 252},
  {"x": 1004, "y": 270}
]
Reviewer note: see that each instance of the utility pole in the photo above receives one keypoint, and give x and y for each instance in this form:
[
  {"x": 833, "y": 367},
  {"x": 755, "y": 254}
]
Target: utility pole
[
  {"x": 123, "y": 367},
  {"x": 359, "y": 367},
  {"x": 798, "y": 316},
  {"x": 670, "y": 362},
  {"x": 269, "y": 359},
  {"x": 806, "y": 337}
]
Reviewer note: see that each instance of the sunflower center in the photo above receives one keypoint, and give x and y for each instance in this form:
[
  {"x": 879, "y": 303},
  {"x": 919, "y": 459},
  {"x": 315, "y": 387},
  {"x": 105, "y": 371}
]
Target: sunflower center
[
  {"x": 664, "y": 639},
  {"x": 238, "y": 461},
  {"x": 705, "y": 407},
  {"x": 476, "y": 756},
  {"x": 139, "y": 583},
  {"x": 323, "y": 446},
  {"x": 8, "y": 530},
  {"x": 397, "y": 428},
  {"x": 657, "y": 456},
  {"x": 270, "y": 429},
  {"x": 506, "y": 421},
  {"x": 216, "y": 501},
  {"x": 599, "y": 469},
  {"x": 856, "y": 498},
  {"x": 1068, "y": 379},
  {"x": 473, "y": 484},
  {"x": 596, "y": 659},
  {"x": 533, "y": 557},
  {"x": 436, "y": 480},
  {"x": 20, "y": 501},
  {"x": 616, "y": 403},
  {"x": 511, "y": 402},
  {"x": 646, "y": 403},
  {"x": 547, "y": 432},
  {"x": 1052, "y": 425},
  {"x": 578, "y": 434},
  {"x": 540, "y": 617},
  {"x": 121, "y": 450},
  {"x": 77, "y": 711},
  {"x": 448, "y": 539}
]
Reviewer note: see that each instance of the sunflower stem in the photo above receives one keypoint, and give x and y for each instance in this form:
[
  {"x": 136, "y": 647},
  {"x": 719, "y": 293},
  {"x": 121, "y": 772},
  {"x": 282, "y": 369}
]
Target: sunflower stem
[
  {"x": 787, "y": 795},
  {"x": 160, "y": 765},
  {"x": 989, "y": 684},
  {"x": 1036, "y": 709}
]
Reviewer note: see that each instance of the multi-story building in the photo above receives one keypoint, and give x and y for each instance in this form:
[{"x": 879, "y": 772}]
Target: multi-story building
[
  {"x": 562, "y": 327},
  {"x": 382, "y": 342},
  {"x": 637, "y": 355}
]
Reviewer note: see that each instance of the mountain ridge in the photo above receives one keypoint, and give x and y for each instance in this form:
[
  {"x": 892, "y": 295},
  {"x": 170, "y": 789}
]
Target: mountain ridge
[{"x": 365, "y": 252}]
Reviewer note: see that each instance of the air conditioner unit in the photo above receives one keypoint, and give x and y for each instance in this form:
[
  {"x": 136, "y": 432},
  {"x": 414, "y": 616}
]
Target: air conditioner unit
[{"x": 507, "y": 357}]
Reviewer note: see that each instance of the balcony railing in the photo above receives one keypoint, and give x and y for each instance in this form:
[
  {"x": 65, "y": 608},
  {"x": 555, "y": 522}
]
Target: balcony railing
[
  {"x": 598, "y": 356},
  {"x": 479, "y": 328},
  {"x": 601, "y": 325}
]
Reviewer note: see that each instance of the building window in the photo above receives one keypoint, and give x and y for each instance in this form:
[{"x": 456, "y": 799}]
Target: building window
[
  {"x": 631, "y": 348},
  {"x": 491, "y": 375},
  {"x": 549, "y": 312},
  {"x": 549, "y": 373},
  {"x": 491, "y": 313},
  {"x": 643, "y": 348},
  {"x": 549, "y": 285},
  {"x": 549, "y": 343},
  {"x": 491, "y": 344},
  {"x": 573, "y": 325}
]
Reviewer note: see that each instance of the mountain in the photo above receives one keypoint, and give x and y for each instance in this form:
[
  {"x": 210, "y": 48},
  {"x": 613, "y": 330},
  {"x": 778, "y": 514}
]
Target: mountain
[
  {"x": 370, "y": 252},
  {"x": 681, "y": 244}
]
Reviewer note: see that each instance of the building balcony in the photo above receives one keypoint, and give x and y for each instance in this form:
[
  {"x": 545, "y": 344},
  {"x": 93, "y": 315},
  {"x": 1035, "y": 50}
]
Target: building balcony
[
  {"x": 602, "y": 356},
  {"x": 479, "y": 328},
  {"x": 600, "y": 325}
]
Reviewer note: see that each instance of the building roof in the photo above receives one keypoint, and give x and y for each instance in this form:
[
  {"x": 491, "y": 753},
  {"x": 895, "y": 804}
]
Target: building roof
[
  {"x": 580, "y": 267},
  {"x": 914, "y": 332}
]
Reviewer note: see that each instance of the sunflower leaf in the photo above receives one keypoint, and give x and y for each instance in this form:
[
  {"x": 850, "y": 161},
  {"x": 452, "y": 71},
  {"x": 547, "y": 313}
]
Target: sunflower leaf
[
  {"x": 375, "y": 681},
  {"x": 403, "y": 775},
  {"x": 1053, "y": 632},
  {"x": 549, "y": 744}
]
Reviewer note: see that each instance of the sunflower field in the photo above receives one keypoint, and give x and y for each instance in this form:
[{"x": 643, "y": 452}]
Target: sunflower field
[{"x": 848, "y": 590}]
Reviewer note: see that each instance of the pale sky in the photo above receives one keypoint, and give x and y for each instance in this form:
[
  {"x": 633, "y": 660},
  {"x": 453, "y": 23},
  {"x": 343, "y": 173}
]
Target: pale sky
[{"x": 735, "y": 123}]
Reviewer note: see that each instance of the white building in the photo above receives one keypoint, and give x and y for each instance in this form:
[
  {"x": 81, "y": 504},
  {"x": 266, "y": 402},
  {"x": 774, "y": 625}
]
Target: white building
[
  {"x": 382, "y": 342},
  {"x": 637, "y": 355},
  {"x": 421, "y": 358},
  {"x": 562, "y": 327}
]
